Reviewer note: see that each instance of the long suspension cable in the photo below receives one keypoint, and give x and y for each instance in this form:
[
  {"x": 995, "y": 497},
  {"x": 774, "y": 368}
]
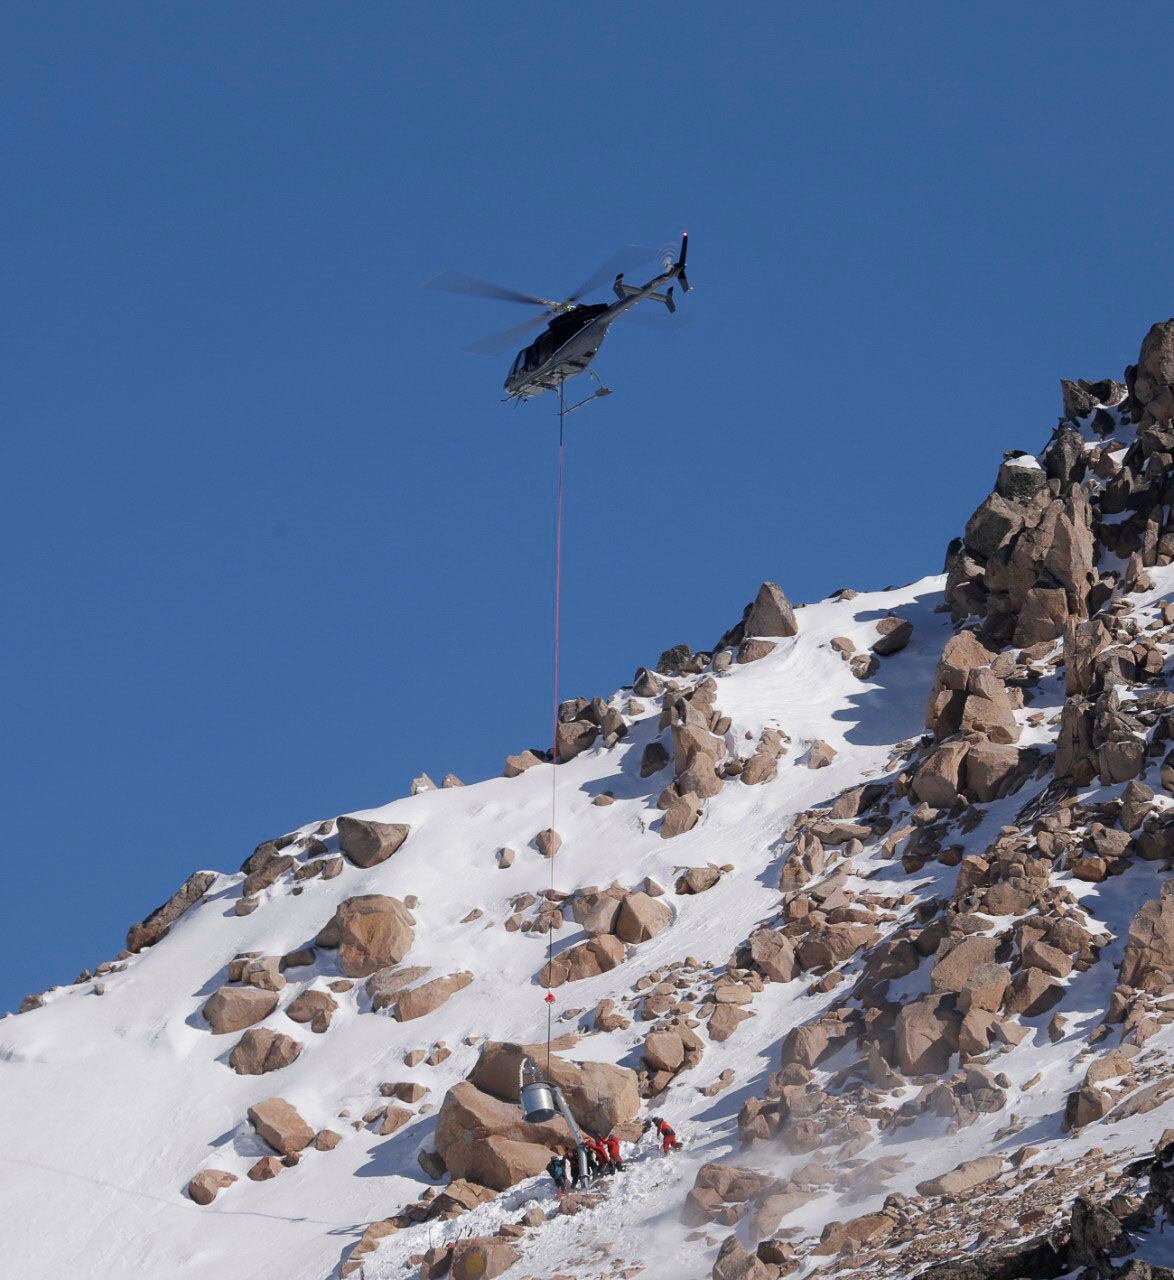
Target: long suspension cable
[{"x": 558, "y": 591}]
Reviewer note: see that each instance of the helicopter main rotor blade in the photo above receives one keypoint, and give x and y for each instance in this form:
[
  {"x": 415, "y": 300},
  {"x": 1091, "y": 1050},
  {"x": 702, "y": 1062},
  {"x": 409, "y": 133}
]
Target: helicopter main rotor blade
[
  {"x": 457, "y": 282},
  {"x": 507, "y": 339},
  {"x": 628, "y": 258}
]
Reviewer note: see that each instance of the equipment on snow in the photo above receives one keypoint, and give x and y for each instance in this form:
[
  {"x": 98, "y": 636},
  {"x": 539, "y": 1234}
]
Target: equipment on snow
[{"x": 541, "y": 1100}]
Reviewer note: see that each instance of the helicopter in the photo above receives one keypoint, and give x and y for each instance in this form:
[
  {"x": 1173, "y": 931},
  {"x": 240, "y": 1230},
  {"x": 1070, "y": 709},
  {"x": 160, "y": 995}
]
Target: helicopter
[{"x": 574, "y": 330}]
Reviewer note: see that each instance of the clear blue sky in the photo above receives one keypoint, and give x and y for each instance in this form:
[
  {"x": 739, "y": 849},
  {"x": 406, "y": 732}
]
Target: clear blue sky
[{"x": 271, "y": 544}]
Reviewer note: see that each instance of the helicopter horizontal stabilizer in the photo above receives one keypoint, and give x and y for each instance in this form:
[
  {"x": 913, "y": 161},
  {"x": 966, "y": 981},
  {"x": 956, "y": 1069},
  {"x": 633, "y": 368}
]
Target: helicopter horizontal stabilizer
[{"x": 630, "y": 291}]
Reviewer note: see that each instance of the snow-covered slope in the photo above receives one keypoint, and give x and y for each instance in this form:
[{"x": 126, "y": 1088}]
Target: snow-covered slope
[{"x": 114, "y": 1092}]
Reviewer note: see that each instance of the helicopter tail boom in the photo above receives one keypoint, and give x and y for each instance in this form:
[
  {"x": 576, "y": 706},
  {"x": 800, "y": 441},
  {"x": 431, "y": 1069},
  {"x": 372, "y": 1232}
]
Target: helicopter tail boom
[{"x": 623, "y": 291}]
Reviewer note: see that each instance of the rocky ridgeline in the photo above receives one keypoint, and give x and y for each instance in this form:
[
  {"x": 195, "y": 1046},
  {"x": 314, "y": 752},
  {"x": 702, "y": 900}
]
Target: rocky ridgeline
[
  {"x": 1043, "y": 587},
  {"x": 934, "y": 915}
]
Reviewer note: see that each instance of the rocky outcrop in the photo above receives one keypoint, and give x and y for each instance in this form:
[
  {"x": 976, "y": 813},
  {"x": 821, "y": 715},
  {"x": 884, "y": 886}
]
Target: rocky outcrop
[
  {"x": 480, "y": 1133},
  {"x": 486, "y": 1140},
  {"x": 370, "y": 932},
  {"x": 158, "y": 924},
  {"x": 1148, "y": 962},
  {"x": 1025, "y": 563},
  {"x": 770, "y": 614},
  {"x": 585, "y": 960}
]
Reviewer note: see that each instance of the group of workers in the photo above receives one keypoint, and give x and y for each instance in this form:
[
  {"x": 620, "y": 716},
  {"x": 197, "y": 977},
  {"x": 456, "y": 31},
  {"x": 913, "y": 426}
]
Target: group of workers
[{"x": 603, "y": 1155}]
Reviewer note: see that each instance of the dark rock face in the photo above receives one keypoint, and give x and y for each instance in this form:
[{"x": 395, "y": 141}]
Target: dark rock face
[
  {"x": 147, "y": 932},
  {"x": 771, "y": 613},
  {"x": 1038, "y": 1259}
]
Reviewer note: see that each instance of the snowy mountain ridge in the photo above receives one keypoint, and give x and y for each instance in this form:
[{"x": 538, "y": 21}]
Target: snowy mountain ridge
[{"x": 871, "y": 903}]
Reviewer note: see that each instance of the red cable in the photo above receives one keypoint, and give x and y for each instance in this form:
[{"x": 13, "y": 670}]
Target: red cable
[{"x": 558, "y": 595}]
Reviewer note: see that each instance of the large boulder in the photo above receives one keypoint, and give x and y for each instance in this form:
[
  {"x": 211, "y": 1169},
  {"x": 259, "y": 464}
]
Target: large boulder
[
  {"x": 663, "y": 1050},
  {"x": 484, "y": 1139},
  {"x": 987, "y": 710},
  {"x": 235, "y": 1008},
  {"x": 597, "y": 909},
  {"x": 1155, "y": 372},
  {"x": 962, "y": 654},
  {"x": 1148, "y": 962},
  {"x": 653, "y": 759},
  {"x": 988, "y": 766},
  {"x": 773, "y": 954},
  {"x": 366, "y": 842},
  {"x": 641, "y": 917},
  {"x": 825, "y": 946},
  {"x": 586, "y": 960},
  {"x": 147, "y": 932},
  {"x": 516, "y": 765},
  {"x": 601, "y": 1096},
  {"x": 895, "y": 634},
  {"x": 481, "y": 1258},
  {"x": 385, "y": 985},
  {"x": 735, "y": 1262},
  {"x": 937, "y": 781},
  {"x": 371, "y": 932},
  {"x": 994, "y": 523},
  {"x": 204, "y": 1186},
  {"x": 312, "y": 1006},
  {"x": 681, "y": 815},
  {"x": 279, "y": 1125},
  {"x": 573, "y": 737},
  {"x": 260, "y": 1050},
  {"x": 927, "y": 1035},
  {"x": 418, "y": 1001},
  {"x": 771, "y": 613},
  {"x": 955, "y": 965},
  {"x": 967, "y": 1176}
]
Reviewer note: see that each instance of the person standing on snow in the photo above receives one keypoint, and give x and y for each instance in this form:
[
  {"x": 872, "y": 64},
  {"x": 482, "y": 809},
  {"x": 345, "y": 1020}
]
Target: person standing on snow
[
  {"x": 604, "y": 1156},
  {"x": 613, "y": 1153},
  {"x": 597, "y": 1153},
  {"x": 557, "y": 1168},
  {"x": 665, "y": 1132}
]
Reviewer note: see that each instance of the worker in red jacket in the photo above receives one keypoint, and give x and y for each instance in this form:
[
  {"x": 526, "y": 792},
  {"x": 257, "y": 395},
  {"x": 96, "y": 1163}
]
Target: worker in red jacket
[
  {"x": 601, "y": 1153},
  {"x": 613, "y": 1152},
  {"x": 665, "y": 1132}
]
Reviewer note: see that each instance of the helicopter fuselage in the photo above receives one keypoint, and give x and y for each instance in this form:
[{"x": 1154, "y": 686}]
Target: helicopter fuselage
[{"x": 573, "y": 338}]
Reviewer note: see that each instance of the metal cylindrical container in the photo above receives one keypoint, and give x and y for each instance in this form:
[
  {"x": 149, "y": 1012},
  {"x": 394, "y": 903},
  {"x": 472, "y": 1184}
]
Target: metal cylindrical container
[{"x": 537, "y": 1102}]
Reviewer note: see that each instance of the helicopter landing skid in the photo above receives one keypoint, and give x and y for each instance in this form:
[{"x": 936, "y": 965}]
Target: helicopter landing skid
[{"x": 600, "y": 390}]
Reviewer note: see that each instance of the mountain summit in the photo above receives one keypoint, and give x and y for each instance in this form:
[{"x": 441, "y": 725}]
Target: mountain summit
[{"x": 870, "y": 901}]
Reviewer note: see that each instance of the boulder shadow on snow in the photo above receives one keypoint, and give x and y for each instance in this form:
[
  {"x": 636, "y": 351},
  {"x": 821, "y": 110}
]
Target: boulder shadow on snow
[
  {"x": 625, "y": 783},
  {"x": 398, "y": 1152},
  {"x": 889, "y": 707}
]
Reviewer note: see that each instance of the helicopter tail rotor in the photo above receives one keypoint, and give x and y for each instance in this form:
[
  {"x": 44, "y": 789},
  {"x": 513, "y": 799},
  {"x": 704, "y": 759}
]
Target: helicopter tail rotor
[{"x": 680, "y": 263}]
